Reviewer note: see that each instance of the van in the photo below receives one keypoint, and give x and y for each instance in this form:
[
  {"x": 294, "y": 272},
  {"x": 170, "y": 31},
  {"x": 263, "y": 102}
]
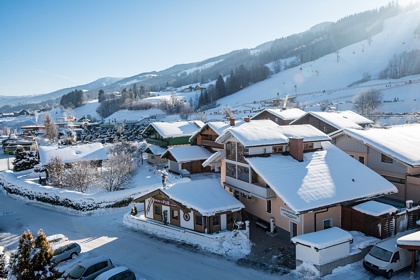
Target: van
[
  {"x": 386, "y": 258},
  {"x": 88, "y": 269}
]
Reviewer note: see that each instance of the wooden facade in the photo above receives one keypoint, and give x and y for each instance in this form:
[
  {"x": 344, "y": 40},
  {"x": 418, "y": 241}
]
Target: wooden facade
[
  {"x": 160, "y": 207},
  {"x": 265, "y": 115},
  {"x": 316, "y": 122}
]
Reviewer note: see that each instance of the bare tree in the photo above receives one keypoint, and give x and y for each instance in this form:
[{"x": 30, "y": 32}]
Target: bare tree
[
  {"x": 80, "y": 176},
  {"x": 51, "y": 132},
  {"x": 118, "y": 168},
  {"x": 227, "y": 112},
  {"x": 185, "y": 111},
  {"x": 55, "y": 172},
  {"x": 367, "y": 101}
]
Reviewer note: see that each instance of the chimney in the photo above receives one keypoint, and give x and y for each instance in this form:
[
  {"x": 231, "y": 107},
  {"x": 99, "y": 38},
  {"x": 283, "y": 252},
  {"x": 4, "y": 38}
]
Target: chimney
[
  {"x": 296, "y": 148},
  {"x": 246, "y": 119},
  {"x": 232, "y": 122}
]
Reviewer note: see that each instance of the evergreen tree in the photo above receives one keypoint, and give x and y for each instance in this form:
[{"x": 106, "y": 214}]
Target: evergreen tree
[
  {"x": 101, "y": 96},
  {"x": 3, "y": 269},
  {"x": 220, "y": 87},
  {"x": 24, "y": 160},
  {"x": 21, "y": 260}
]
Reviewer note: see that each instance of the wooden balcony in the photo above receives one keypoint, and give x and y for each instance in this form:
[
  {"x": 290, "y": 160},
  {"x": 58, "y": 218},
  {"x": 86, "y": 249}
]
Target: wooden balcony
[
  {"x": 211, "y": 143},
  {"x": 262, "y": 192}
]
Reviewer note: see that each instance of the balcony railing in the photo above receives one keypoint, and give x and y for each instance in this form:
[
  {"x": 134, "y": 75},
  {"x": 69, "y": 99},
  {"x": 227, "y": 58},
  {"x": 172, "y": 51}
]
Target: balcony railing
[
  {"x": 251, "y": 189},
  {"x": 211, "y": 143}
]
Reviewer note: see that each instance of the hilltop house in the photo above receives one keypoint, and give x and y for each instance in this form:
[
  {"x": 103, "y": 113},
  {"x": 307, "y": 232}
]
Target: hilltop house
[
  {"x": 291, "y": 179},
  {"x": 280, "y": 116},
  {"x": 392, "y": 152},
  {"x": 329, "y": 122},
  {"x": 201, "y": 206},
  {"x": 165, "y": 134}
]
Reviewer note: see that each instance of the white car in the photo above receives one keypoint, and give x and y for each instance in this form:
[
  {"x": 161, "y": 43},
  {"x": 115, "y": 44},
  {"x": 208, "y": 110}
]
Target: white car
[
  {"x": 56, "y": 238},
  {"x": 64, "y": 251}
]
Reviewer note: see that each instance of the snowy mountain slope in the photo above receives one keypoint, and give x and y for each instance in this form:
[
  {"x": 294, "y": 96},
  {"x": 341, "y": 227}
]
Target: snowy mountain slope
[{"x": 334, "y": 72}]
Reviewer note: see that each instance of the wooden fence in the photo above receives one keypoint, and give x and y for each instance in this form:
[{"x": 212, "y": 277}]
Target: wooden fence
[{"x": 380, "y": 227}]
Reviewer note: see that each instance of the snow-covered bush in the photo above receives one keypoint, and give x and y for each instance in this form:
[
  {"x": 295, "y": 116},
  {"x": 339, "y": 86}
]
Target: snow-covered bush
[{"x": 24, "y": 159}]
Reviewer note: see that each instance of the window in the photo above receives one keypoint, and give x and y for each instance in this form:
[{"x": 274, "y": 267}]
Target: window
[
  {"x": 229, "y": 218},
  {"x": 228, "y": 150},
  {"x": 396, "y": 257},
  {"x": 216, "y": 221},
  {"x": 198, "y": 220},
  {"x": 268, "y": 206},
  {"x": 385, "y": 158},
  {"x": 240, "y": 149},
  {"x": 175, "y": 214},
  {"x": 362, "y": 159},
  {"x": 254, "y": 177},
  {"x": 231, "y": 170},
  {"x": 277, "y": 149},
  {"x": 327, "y": 223},
  {"x": 308, "y": 146},
  {"x": 158, "y": 210},
  {"x": 394, "y": 179},
  {"x": 243, "y": 173}
]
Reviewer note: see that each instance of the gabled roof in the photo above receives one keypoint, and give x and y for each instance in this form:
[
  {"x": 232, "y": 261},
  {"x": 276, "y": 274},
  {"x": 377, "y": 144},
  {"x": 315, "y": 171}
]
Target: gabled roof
[
  {"x": 218, "y": 127},
  {"x": 355, "y": 117},
  {"x": 68, "y": 154},
  {"x": 255, "y": 133},
  {"x": 335, "y": 119},
  {"x": 284, "y": 114},
  {"x": 269, "y": 133},
  {"x": 400, "y": 142},
  {"x": 187, "y": 153},
  {"x": 324, "y": 178},
  {"x": 175, "y": 129},
  {"x": 205, "y": 196},
  {"x": 375, "y": 208},
  {"x": 214, "y": 159},
  {"x": 155, "y": 150}
]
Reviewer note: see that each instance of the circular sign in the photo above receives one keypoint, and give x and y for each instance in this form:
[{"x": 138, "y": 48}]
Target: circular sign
[{"x": 186, "y": 217}]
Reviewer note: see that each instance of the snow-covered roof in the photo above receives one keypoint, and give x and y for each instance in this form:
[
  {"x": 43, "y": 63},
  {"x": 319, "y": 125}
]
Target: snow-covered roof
[
  {"x": 375, "y": 208},
  {"x": 217, "y": 126},
  {"x": 68, "y": 154},
  {"x": 323, "y": 238},
  {"x": 255, "y": 133},
  {"x": 399, "y": 142},
  {"x": 355, "y": 117},
  {"x": 205, "y": 196},
  {"x": 335, "y": 119},
  {"x": 133, "y": 115},
  {"x": 176, "y": 129},
  {"x": 324, "y": 178},
  {"x": 412, "y": 239},
  {"x": 214, "y": 159},
  {"x": 156, "y": 150},
  {"x": 187, "y": 153},
  {"x": 284, "y": 114},
  {"x": 306, "y": 131}
]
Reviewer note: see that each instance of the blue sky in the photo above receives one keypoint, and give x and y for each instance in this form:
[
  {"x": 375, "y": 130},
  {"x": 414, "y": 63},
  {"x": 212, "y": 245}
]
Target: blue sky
[{"x": 49, "y": 45}]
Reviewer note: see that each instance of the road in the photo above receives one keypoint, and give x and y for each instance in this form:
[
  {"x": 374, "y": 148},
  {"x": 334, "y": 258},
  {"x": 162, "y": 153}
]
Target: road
[{"x": 104, "y": 234}]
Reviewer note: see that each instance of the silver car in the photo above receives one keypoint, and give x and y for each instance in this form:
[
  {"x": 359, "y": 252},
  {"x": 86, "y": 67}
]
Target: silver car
[
  {"x": 89, "y": 269},
  {"x": 66, "y": 251}
]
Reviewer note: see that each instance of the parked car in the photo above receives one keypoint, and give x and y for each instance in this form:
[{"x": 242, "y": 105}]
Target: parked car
[
  {"x": 57, "y": 238},
  {"x": 88, "y": 269},
  {"x": 386, "y": 258},
  {"x": 117, "y": 273},
  {"x": 64, "y": 251}
]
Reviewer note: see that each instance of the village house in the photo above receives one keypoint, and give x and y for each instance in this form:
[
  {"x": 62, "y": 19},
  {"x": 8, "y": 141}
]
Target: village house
[
  {"x": 202, "y": 206},
  {"x": 186, "y": 160},
  {"x": 329, "y": 122},
  {"x": 280, "y": 116},
  {"x": 93, "y": 152},
  {"x": 392, "y": 152},
  {"x": 153, "y": 155},
  {"x": 291, "y": 179},
  {"x": 165, "y": 134}
]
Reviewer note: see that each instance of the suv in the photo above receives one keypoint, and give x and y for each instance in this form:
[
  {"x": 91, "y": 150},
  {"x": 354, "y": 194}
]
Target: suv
[
  {"x": 66, "y": 251},
  {"x": 117, "y": 273},
  {"x": 88, "y": 269}
]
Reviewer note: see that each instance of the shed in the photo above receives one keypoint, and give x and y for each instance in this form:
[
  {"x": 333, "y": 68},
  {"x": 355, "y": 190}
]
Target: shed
[
  {"x": 322, "y": 247},
  {"x": 410, "y": 242}
]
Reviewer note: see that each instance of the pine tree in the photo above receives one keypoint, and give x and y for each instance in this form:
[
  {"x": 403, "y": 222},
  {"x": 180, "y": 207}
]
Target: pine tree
[
  {"x": 220, "y": 87},
  {"x": 51, "y": 132},
  {"x": 3, "y": 269},
  {"x": 24, "y": 160},
  {"x": 21, "y": 263}
]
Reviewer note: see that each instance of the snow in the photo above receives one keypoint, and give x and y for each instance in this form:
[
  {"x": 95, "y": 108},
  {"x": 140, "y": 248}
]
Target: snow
[
  {"x": 176, "y": 129},
  {"x": 205, "y": 196},
  {"x": 359, "y": 119},
  {"x": 375, "y": 208},
  {"x": 187, "y": 153},
  {"x": 320, "y": 180},
  {"x": 305, "y": 131},
  {"x": 156, "y": 150},
  {"x": 74, "y": 153},
  {"x": 412, "y": 239},
  {"x": 89, "y": 109},
  {"x": 400, "y": 142},
  {"x": 288, "y": 114},
  {"x": 334, "y": 119},
  {"x": 133, "y": 115},
  {"x": 323, "y": 238}
]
